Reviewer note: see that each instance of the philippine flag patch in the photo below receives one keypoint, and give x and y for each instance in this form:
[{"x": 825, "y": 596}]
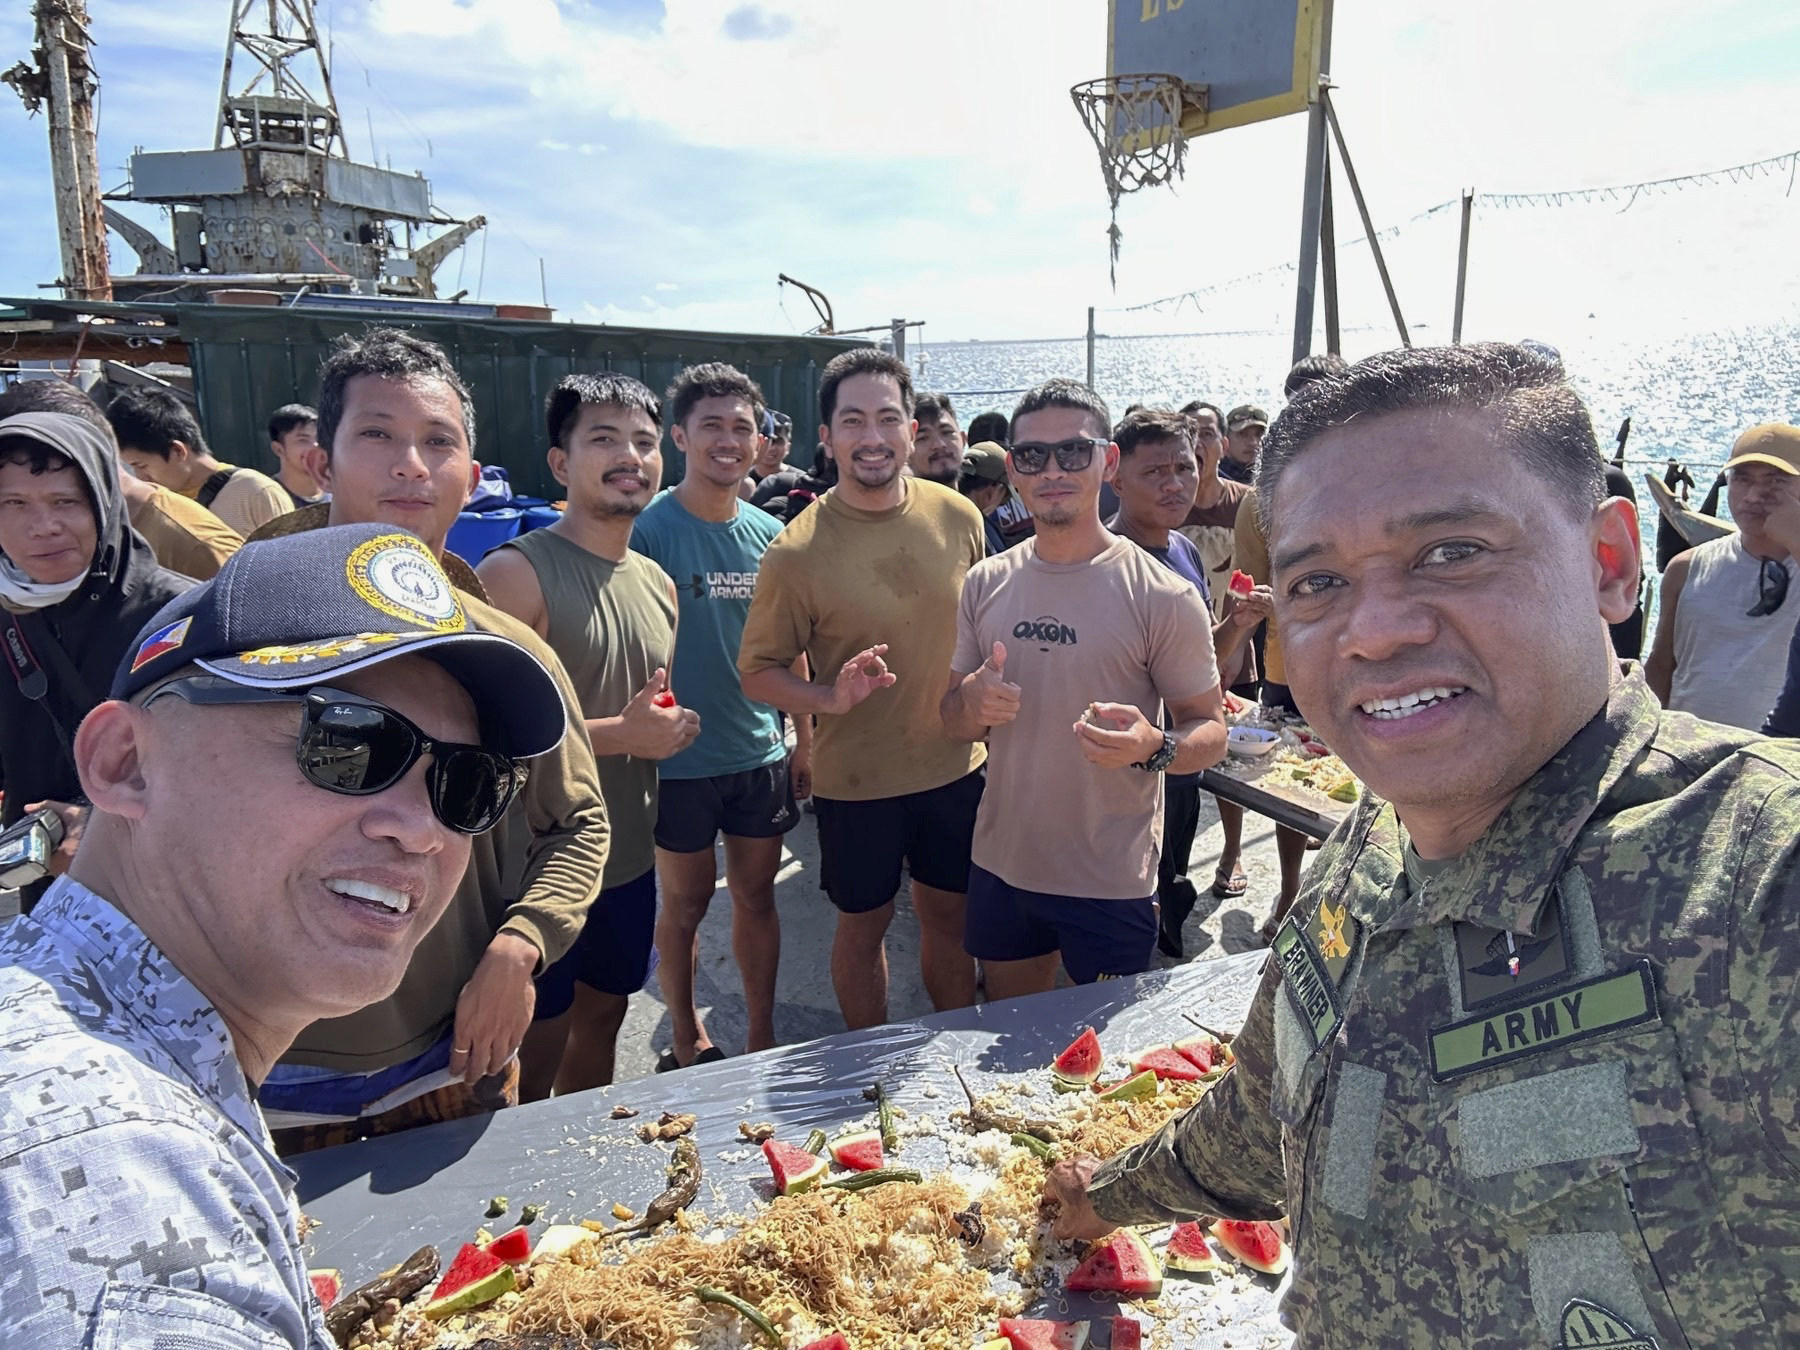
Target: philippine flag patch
[{"x": 163, "y": 640}]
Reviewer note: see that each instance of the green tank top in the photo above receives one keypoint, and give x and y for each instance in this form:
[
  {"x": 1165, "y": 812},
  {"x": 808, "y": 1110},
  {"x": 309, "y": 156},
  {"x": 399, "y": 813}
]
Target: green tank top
[{"x": 611, "y": 625}]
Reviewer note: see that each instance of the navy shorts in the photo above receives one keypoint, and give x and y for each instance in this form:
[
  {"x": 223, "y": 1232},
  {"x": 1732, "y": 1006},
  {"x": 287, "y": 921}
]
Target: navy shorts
[
  {"x": 863, "y": 845},
  {"x": 691, "y": 813},
  {"x": 614, "y": 953},
  {"x": 1098, "y": 939}
]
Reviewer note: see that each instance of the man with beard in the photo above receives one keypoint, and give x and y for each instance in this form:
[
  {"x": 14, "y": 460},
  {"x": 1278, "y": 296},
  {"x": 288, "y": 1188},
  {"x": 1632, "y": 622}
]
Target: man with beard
[
  {"x": 937, "y": 452},
  {"x": 1158, "y": 480},
  {"x": 1528, "y": 1044},
  {"x": 869, "y": 579},
  {"x": 396, "y": 447},
  {"x": 1068, "y": 650},
  {"x": 737, "y": 779},
  {"x": 609, "y": 615},
  {"x": 1728, "y": 606}
]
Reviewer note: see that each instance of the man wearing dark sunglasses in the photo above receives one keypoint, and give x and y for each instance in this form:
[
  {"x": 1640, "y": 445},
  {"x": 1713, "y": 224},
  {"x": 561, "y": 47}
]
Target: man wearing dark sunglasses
[
  {"x": 1726, "y": 617},
  {"x": 286, "y": 783},
  {"x": 1068, "y": 649},
  {"x": 396, "y": 448}
]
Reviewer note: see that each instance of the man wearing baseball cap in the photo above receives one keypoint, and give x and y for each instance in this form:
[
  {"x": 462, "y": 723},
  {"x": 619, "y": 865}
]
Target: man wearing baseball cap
[
  {"x": 285, "y": 784},
  {"x": 1244, "y": 428},
  {"x": 1729, "y": 605},
  {"x": 983, "y": 482}
]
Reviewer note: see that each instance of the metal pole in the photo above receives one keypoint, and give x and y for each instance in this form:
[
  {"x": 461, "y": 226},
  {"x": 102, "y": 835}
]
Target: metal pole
[
  {"x": 1328, "y": 265},
  {"x": 1362, "y": 209},
  {"x": 898, "y": 328},
  {"x": 1312, "y": 203},
  {"x": 1462, "y": 265},
  {"x": 1090, "y": 347},
  {"x": 74, "y": 167}
]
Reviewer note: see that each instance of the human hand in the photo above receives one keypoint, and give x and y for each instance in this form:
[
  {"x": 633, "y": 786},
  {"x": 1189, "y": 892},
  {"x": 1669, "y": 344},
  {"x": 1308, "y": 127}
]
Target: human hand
[
  {"x": 800, "y": 774},
  {"x": 859, "y": 677},
  {"x": 653, "y": 725},
  {"x": 1249, "y": 609},
  {"x": 1067, "y": 1184},
  {"x": 1117, "y": 735},
  {"x": 493, "y": 1012},
  {"x": 74, "y": 820},
  {"x": 990, "y": 699}
]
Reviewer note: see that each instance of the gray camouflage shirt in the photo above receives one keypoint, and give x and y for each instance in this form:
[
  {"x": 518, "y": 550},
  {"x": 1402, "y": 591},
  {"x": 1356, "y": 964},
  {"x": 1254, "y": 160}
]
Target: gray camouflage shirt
[{"x": 141, "y": 1202}]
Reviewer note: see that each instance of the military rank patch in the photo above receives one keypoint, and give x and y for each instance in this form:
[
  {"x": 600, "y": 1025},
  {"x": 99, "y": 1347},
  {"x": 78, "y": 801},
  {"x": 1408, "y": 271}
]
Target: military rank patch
[
  {"x": 1588, "y": 1326},
  {"x": 1309, "y": 983},
  {"x": 1575, "y": 1012}
]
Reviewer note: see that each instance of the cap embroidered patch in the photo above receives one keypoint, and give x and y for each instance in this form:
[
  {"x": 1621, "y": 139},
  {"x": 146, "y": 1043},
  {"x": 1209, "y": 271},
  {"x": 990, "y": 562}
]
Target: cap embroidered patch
[
  {"x": 163, "y": 641},
  {"x": 394, "y": 574},
  {"x": 316, "y": 651}
]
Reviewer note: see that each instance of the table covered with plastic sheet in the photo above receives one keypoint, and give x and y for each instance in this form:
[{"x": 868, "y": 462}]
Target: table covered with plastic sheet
[{"x": 377, "y": 1201}]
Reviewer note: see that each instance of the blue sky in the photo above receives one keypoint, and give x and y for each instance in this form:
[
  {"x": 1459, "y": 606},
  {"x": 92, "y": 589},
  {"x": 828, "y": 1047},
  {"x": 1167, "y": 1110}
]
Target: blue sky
[{"x": 666, "y": 160}]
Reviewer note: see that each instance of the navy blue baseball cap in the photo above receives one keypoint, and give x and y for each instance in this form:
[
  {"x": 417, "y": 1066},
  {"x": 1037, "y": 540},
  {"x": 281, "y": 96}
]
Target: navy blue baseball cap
[{"x": 289, "y": 613}]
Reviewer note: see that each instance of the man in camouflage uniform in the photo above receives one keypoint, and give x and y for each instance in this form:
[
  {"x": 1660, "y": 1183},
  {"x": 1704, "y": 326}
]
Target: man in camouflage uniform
[
  {"x": 235, "y": 882},
  {"x": 1527, "y": 1045}
]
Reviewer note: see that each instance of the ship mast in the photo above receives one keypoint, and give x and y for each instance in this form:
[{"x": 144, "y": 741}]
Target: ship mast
[
  {"x": 64, "y": 79},
  {"x": 287, "y": 104}
]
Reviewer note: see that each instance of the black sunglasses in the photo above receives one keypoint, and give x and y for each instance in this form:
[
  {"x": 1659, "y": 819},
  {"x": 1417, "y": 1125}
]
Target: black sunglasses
[
  {"x": 1771, "y": 589},
  {"x": 1072, "y": 456},
  {"x": 356, "y": 747}
]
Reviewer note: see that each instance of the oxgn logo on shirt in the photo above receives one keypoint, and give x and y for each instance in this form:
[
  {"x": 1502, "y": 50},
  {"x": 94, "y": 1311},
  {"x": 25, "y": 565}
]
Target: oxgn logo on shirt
[{"x": 1047, "y": 630}]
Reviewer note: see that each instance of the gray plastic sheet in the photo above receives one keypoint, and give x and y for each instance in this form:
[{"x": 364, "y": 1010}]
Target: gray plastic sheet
[{"x": 379, "y": 1200}]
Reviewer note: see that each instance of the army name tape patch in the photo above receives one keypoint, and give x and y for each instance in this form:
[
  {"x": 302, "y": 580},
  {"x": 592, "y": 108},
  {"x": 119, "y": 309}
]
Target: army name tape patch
[
  {"x": 1576, "y": 1012},
  {"x": 1308, "y": 983},
  {"x": 394, "y": 574}
]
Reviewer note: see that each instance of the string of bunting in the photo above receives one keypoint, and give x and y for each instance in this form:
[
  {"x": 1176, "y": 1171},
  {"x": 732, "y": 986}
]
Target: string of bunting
[{"x": 1625, "y": 192}]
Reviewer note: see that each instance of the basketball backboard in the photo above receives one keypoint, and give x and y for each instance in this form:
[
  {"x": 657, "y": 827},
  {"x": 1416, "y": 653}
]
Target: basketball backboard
[{"x": 1258, "y": 58}]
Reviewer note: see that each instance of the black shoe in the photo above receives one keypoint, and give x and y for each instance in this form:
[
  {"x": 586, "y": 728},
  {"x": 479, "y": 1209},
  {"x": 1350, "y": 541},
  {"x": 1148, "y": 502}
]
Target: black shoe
[{"x": 1169, "y": 944}]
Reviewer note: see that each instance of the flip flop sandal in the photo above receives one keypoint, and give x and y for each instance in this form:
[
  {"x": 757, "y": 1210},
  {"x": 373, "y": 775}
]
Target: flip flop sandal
[
  {"x": 667, "y": 1063},
  {"x": 1229, "y": 887}
]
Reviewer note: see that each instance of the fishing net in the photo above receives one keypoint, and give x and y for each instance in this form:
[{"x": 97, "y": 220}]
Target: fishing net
[{"x": 1135, "y": 121}]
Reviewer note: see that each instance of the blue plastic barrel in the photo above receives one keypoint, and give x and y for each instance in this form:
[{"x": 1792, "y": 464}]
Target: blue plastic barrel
[
  {"x": 478, "y": 533},
  {"x": 536, "y": 517}
]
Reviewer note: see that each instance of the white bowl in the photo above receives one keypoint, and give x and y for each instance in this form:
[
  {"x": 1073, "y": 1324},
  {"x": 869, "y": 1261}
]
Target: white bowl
[{"x": 1252, "y": 742}]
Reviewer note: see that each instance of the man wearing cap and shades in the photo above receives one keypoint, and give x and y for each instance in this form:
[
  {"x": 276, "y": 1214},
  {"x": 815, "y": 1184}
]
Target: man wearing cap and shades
[
  {"x": 1244, "y": 428},
  {"x": 772, "y": 449},
  {"x": 285, "y": 784},
  {"x": 76, "y": 581},
  {"x": 983, "y": 482},
  {"x": 1726, "y": 616},
  {"x": 396, "y": 432}
]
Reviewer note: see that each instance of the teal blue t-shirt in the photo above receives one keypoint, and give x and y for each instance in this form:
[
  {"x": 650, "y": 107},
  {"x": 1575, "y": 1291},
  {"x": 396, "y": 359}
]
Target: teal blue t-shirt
[{"x": 714, "y": 564}]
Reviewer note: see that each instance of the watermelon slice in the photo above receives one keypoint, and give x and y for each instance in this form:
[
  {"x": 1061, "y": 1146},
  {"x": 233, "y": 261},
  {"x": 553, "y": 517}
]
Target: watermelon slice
[
  {"x": 1129, "y": 1089},
  {"x": 475, "y": 1277},
  {"x": 1082, "y": 1061},
  {"x": 512, "y": 1248},
  {"x": 858, "y": 1152},
  {"x": 1258, "y": 1245},
  {"x": 327, "y": 1284},
  {"x": 1203, "y": 1052},
  {"x": 1127, "y": 1334},
  {"x": 1241, "y": 583},
  {"x": 795, "y": 1169},
  {"x": 1037, "y": 1333},
  {"x": 1189, "y": 1252},
  {"x": 1120, "y": 1263},
  {"x": 835, "y": 1341},
  {"x": 1165, "y": 1061}
]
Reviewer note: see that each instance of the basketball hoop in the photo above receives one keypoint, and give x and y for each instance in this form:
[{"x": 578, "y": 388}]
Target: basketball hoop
[{"x": 1135, "y": 121}]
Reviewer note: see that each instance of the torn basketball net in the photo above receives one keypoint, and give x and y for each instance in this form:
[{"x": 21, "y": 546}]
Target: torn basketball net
[{"x": 1135, "y": 121}]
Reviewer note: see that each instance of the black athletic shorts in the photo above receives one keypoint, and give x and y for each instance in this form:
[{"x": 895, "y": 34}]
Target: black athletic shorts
[
  {"x": 691, "y": 813},
  {"x": 862, "y": 845}
]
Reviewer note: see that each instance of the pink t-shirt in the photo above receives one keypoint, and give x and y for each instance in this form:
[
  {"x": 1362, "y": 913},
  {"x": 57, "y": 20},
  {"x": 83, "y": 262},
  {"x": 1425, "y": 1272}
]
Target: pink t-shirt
[{"x": 1119, "y": 628}]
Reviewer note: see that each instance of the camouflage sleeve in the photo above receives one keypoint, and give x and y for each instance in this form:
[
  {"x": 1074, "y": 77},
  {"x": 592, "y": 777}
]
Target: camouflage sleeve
[
  {"x": 98, "y": 1220},
  {"x": 1221, "y": 1157},
  {"x": 1765, "y": 970}
]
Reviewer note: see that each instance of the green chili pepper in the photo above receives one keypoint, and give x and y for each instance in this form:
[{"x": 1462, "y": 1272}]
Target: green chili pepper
[
  {"x": 815, "y": 1142},
  {"x": 863, "y": 1181},
  {"x": 707, "y": 1294},
  {"x": 1035, "y": 1145}
]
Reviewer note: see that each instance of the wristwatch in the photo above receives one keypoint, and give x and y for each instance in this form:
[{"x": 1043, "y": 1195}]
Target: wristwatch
[{"x": 1162, "y": 758}]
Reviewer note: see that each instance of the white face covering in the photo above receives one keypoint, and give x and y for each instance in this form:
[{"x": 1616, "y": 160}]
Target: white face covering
[{"x": 18, "y": 591}]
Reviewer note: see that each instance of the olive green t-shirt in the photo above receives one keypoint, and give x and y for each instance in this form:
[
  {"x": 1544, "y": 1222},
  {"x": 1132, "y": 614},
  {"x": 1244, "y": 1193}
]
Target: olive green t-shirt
[
  {"x": 839, "y": 579},
  {"x": 611, "y": 625}
]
